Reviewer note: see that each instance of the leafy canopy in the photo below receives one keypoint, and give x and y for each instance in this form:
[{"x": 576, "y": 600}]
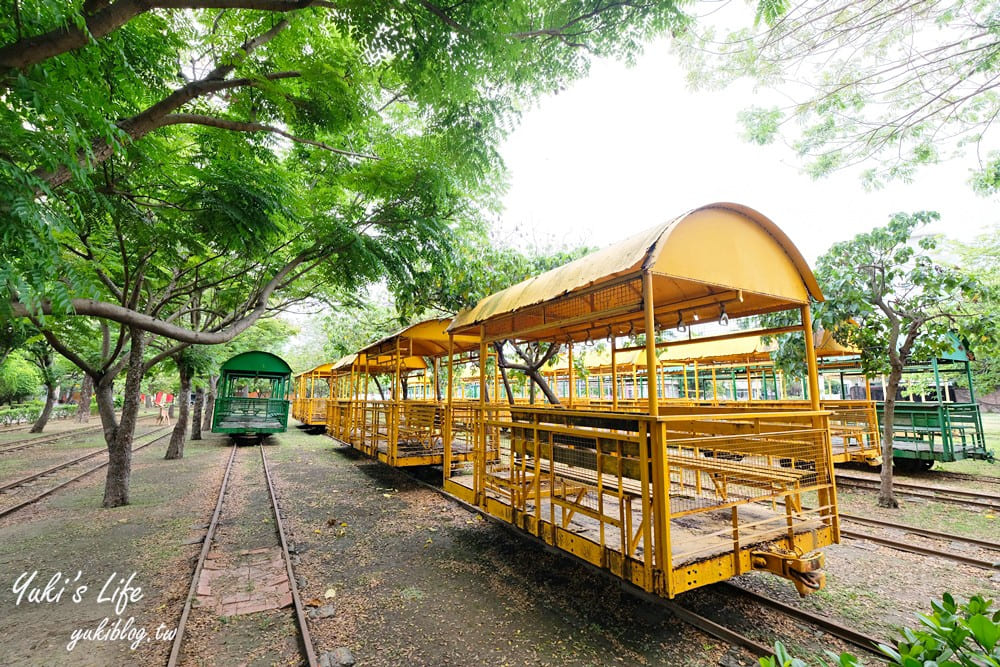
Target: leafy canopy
[
  {"x": 893, "y": 84},
  {"x": 889, "y": 295}
]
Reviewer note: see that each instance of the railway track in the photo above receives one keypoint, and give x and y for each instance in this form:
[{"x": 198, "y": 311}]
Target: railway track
[
  {"x": 895, "y": 543},
  {"x": 957, "y": 476},
  {"x": 306, "y": 645},
  {"x": 50, "y": 438},
  {"x": 21, "y": 482},
  {"x": 25, "y": 444},
  {"x": 693, "y": 618},
  {"x": 945, "y": 495}
]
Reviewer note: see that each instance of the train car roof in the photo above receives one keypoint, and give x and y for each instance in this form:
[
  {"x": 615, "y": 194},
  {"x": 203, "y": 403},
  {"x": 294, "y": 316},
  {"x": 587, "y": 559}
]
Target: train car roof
[
  {"x": 722, "y": 254},
  {"x": 256, "y": 363}
]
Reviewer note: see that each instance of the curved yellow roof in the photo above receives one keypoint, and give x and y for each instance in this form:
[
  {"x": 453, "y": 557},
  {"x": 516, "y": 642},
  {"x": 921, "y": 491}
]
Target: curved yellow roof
[
  {"x": 425, "y": 339},
  {"x": 722, "y": 254}
]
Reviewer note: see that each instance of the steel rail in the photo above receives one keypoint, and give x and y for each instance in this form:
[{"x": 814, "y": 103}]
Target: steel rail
[
  {"x": 175, "y": 649},
  {"x": 300, "y": 613},
  {"x": 831, "y": 626},
  {"x": 985, "y": 544},
  {"x": 923, "y": 551},
  {"x": 52, "y": 438},
  {"x": 960, "y": 476},
  {"x": 30, "y": 478},
  {"x": 43, "y": 494},
  {"x": 954, "y": 496}
]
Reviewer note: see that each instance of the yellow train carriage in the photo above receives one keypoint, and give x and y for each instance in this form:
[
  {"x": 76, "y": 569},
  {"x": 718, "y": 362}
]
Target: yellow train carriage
[
  {"x": 741, "y": 372},
  {"x": 408, "y": 422},
  {"x": 731, "y": 372},
  {"x": 312, "y": 391},
  {"x": 668, "y": 497}
]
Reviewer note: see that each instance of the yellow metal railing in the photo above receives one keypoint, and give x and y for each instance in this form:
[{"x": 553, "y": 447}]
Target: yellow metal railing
[{"x": 619, "y": 490}]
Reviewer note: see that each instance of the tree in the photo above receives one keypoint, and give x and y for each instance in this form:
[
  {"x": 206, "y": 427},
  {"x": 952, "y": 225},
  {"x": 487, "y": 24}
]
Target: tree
[
  {"x": 176, "y": 170},
  {"x": 41, "y": 354},
  {"x": 903, "y": 302},
  {"x": 982, "y": 258},
  {"x": 899, "y": 84},
  {"x": 18, "y": 379}
]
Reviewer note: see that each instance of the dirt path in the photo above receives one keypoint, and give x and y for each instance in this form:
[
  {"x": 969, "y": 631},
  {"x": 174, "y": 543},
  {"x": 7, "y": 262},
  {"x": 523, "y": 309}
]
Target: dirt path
[
  {"x": 69, "y": 533},
  {"x": 418, "y": 580}
]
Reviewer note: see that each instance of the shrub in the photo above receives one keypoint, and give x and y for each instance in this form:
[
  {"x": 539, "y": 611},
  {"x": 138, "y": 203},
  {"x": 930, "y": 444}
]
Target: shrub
[
  {"x": 29, "y": 412},
  {"x": 954, "y": 635}
]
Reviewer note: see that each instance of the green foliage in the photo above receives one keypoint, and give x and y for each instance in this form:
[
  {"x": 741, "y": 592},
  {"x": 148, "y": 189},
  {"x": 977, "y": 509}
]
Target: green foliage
[
  {"x": 19, "y": 379},
  {"x": 981, "y": 257},
  {"x": 760, "y": 125},
  {"x": 896, "y": 89},
  {"x": 25, "y": 414},
  {"x": 366, "y": 136},
  {"x": 888, "y": 296},
  {"x": 954, "y": 634}
]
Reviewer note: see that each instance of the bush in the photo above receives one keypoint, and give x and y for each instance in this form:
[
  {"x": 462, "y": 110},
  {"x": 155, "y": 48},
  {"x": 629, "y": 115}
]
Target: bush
[
  {"x": 29, "y": 412},
  {"x": 953, "y": 635}
]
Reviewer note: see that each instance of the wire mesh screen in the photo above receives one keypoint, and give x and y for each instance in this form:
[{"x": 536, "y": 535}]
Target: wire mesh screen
[{"x": 622, "y": 296}]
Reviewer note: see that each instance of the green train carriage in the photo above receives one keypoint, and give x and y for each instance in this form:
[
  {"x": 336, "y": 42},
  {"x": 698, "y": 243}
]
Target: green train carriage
[{"x": 253, "y": 396}]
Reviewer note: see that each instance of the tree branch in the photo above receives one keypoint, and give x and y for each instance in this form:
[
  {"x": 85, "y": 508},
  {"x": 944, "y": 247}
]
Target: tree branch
[
  {"x": 241, "y": 126},
  {"x": 116, "y": 313},
  {"x": 24, "y": 53}
]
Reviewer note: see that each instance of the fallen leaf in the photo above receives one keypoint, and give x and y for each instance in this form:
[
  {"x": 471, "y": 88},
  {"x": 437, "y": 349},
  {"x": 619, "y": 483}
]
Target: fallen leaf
[{"x": 330, "y": 593}]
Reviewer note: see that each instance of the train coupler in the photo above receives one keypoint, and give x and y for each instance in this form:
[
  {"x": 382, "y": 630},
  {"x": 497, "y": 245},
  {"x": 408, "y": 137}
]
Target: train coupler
[{"x": 805, "y": 571}]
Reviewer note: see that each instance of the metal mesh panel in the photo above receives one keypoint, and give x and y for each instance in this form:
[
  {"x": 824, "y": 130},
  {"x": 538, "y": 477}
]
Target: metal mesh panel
[{"x": 592, "y": 305}]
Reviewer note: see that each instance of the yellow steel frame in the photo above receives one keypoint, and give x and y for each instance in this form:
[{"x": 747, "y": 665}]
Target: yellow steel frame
[{"x": 543, "y": 469}]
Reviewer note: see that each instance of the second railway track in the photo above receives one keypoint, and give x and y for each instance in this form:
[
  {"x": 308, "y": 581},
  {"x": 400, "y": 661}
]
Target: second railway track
[
  {"x": 22, "y": 482},
  {"x": 954, "y": 496},
  {"x": 202, "y": 586}
]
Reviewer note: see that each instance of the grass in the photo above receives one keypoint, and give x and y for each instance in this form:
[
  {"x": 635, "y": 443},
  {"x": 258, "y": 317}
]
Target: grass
[{"x": 991, "y": 432}]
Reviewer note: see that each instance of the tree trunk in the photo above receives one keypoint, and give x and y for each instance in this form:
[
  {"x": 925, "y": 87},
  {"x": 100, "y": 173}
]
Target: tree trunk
[
  {"x": 379, "y": 385},
  {"x": 199, "y": 403},
  {"x": 43, "y": 419},
  {"x": 550, "y": 395},
  {"x": 170, "y": 408},
  {"x": 886, "y": 497},
  {"x": 176, "y": 448},
  {"x": 213, "y": 382},
  {"x": 83, "y": 408},
  {"x": 149, "y": 401},
  {"x": 116, "y": 487},
  {"x": 506, "y": 385}
]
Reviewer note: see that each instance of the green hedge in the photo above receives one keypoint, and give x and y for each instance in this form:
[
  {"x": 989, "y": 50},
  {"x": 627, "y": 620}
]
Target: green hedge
[{"x": 29, "y": 412}]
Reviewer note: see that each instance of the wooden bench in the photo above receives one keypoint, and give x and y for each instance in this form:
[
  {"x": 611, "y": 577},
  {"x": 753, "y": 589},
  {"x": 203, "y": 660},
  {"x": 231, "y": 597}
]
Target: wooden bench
[{"x": 419, "y": 425}]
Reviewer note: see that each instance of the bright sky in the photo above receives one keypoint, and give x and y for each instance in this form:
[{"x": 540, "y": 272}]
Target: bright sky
[{"x": 628, "y": 148}]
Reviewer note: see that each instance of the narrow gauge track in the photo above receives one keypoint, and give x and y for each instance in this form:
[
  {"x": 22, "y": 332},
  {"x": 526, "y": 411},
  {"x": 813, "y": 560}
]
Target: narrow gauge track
[
  {"x": 690, "y": 617},
  {"x": 895, "y": 543},
  {"x": 936, "y": 475},
  {"x": 831, "y": 626},
  {"x": 24, "y": 480},
  {"x": 50, "y": 438},
  {"x": 300, "y": 616},
  {"x": 945, "y": 495}
]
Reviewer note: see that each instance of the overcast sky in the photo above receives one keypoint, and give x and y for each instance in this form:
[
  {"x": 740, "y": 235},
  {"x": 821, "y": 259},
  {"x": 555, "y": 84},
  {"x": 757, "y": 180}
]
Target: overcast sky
[{"x": 628, "y": 148}]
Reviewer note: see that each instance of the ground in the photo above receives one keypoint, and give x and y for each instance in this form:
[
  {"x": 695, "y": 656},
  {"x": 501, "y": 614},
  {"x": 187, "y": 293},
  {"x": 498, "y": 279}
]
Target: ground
[{"x": 414, "y": 578}]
